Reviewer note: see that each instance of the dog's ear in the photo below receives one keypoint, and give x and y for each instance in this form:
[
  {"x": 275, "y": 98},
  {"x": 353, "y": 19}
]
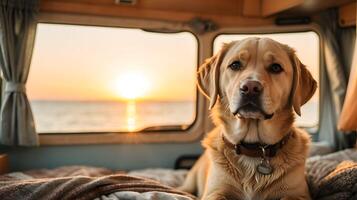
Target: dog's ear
[
  {"x": 208, "y": 76},
  {"x": 304, "y": 85}
]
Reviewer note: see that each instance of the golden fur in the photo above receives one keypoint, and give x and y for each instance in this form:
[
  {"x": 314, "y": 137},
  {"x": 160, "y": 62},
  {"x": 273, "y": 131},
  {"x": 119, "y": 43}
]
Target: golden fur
[{"x": 222, "y": 174}]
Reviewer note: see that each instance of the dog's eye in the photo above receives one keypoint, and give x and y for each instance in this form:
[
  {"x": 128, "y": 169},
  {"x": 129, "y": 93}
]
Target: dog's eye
[
  {"x": 275, "y": 68},
  {"x": 236, "y": 65}
]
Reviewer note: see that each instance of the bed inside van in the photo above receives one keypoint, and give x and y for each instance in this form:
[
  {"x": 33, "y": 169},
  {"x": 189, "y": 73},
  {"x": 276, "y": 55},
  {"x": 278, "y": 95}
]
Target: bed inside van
[{"x": 99, "y": 98}]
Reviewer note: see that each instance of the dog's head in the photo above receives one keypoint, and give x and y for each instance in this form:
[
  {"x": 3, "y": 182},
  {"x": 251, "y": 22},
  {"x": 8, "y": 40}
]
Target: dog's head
[{"x": 256, "y": 78}]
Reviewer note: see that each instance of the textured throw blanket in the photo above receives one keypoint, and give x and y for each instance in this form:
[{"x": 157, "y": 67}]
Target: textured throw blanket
[
  {"x": 334, "y": 176},
  {"x": 84, "y": 187},
  {"x": 330, "y": 177}
]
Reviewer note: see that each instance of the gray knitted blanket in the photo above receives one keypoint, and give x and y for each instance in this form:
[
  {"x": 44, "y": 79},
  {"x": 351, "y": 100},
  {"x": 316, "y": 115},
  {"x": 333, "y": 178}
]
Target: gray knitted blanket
[
  {"x": 334, "y": 176},
  {"x": 95, "y": 183},
  {"x": 330, "y": 177}
]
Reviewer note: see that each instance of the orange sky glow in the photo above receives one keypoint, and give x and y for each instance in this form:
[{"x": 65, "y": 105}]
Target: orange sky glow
[{"x": 101, "y": 63}]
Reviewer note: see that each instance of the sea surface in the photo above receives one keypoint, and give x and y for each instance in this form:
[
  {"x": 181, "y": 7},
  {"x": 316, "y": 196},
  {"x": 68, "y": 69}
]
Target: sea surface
[{"x": 89, "y": 116}]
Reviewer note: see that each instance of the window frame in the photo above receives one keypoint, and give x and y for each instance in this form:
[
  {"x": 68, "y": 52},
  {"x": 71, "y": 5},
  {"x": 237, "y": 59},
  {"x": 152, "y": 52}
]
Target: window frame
[
  {"x": 202, "y": 123},
  {"x": 192, "y": 133}
]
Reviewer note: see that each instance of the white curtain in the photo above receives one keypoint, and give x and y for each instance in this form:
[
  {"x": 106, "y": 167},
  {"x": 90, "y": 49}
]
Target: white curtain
[{"x": 17, "y": 34}]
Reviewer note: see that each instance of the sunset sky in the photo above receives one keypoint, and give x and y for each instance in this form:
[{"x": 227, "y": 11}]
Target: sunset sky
[{"x": 97, "y": 63}]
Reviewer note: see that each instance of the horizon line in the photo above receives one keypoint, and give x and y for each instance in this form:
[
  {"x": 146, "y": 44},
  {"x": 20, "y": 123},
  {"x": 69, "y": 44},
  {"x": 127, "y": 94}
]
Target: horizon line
[{"x": 111, "y": 100}]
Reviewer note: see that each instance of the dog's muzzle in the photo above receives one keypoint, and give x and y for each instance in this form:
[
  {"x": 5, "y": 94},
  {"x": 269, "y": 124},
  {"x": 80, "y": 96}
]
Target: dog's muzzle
[{"x": 250, "y": 104}]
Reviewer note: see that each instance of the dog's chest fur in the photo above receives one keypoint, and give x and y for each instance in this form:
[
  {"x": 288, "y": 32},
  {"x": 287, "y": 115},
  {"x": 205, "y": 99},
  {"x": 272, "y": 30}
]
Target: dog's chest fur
[
  {"x": 241, "y": 170},
  {"x": 243, "y": 174}
]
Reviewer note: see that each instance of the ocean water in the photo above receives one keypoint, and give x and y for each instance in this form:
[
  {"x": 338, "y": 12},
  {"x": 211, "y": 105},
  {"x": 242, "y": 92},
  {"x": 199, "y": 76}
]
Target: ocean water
[{"x": 87, "y": 116}]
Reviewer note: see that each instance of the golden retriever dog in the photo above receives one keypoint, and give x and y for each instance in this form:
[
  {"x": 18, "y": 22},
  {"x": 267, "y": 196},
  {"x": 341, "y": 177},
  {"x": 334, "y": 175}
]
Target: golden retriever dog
[{"x": 255, "y": 152}]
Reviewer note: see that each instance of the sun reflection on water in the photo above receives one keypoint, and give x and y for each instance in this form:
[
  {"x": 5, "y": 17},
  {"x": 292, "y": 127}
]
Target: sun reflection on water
[{"x": 131, "y": 116}]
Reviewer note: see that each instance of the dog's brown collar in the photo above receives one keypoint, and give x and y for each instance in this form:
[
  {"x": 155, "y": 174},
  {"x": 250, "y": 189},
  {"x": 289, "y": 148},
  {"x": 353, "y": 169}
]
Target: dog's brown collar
[{"x": 257, "y": 149}]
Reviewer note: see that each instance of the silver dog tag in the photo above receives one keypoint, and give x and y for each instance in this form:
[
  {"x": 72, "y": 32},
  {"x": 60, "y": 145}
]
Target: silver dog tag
[{"x": 264, "y": 167}]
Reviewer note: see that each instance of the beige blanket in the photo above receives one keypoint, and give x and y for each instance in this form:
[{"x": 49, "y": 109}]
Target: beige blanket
[
  {"x": 330, "y": 177},
  {"x": 78, "y": 187}
]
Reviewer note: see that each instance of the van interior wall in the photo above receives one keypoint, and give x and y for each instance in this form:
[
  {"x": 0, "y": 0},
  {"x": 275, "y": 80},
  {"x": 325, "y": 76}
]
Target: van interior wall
[
  {"x": 129, "y": 156},
  {"x": 113, "y": 156}
]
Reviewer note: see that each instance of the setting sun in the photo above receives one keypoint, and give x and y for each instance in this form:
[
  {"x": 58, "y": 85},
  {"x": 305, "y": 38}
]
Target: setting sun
[{"x": 132, "y": 85}]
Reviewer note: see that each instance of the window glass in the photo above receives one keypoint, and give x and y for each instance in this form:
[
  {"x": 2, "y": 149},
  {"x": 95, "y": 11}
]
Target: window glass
[
  {"x": 307, "y": 48},
  {"x": 105, "y": 79}
]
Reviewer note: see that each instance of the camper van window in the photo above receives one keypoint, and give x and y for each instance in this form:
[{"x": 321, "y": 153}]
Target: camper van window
[
  {"x": 108, "y": 79},
  {"x": 310, "y": 56}
]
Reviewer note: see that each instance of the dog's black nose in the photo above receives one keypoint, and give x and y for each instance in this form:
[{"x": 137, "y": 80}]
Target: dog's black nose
[{"x": 251, "y": 88}]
